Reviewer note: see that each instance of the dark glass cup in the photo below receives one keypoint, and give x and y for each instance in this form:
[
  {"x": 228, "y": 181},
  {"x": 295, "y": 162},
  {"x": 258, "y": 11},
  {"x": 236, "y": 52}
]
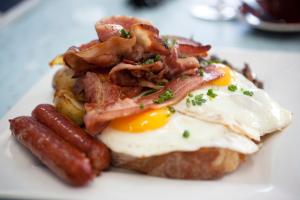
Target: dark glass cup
[{"x": 281, "y": 10}]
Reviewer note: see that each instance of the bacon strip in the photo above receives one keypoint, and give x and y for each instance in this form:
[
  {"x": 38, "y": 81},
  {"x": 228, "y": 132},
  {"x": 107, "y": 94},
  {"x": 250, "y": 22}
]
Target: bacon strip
[
  {"x": 148, "y": 37},
  {"x": 98, "y": 89},
  {"x": 98, "y": 55},
  {"x": 106, "y": 31},
  {"x": 177, "y": 65},
  {"x": 111, "y": 26},
  {"x": 189, "y": 47},
  {"x": 128, "y": 74},
  {"x": 97, "y": 116},
  {"x": 123, "y": 21}
]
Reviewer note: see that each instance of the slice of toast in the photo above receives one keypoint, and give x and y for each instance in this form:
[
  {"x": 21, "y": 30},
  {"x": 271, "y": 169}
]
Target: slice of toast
[{"x": 205, "y": 163}]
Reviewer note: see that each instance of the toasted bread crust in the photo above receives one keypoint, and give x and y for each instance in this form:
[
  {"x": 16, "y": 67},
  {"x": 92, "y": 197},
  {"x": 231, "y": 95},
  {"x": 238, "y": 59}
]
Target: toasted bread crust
[{"x": 205, "y": 163}]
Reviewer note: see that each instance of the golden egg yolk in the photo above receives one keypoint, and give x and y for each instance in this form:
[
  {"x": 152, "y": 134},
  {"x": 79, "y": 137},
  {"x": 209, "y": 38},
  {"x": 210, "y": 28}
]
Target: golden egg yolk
[
  {"x": 224, "y": 80},
  {"x": 148, "y": 120}
]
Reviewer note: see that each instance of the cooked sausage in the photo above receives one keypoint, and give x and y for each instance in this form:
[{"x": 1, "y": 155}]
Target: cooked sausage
[
  {"x": 64, "y": 160},
  {"x": 96, "y": 151}
]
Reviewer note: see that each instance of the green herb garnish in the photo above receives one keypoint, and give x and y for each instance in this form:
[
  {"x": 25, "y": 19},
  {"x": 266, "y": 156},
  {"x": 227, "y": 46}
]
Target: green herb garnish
[
  {"x": 157, "y": 57},
  {"x": 124, "y": 33},
  {"x": 232, "y": 88},
  {"x": 149, "y": 61},
  {"x": 142, "y": 106},
  {"x": 188, "y": 101},
  {"x": 153, "y": 60},
  {"x": 186, "y": 134},
  {"x": 205, "y": 63},
  {"x": 195, "y": 100},
  {"x": 161, "y": 83},
  {"x": 150, "y": 91},
  {"x": 211, "y": 93},
  {"x": 199, "y": 100},
  {"x": 171, "y": 109},
  {"x": 168, "y": 94},
  {"x": 248, "y": 93},
  {"x": 169, "y": 42},
  {"x": 201, "y": 72}
]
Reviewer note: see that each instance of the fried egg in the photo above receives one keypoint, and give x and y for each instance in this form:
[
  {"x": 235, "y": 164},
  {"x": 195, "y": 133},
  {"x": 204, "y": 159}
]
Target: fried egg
[
  {"x": 229, "y": 112},
  {"x": 238, "y": 104},
  {"x": 179, "y": 133}
]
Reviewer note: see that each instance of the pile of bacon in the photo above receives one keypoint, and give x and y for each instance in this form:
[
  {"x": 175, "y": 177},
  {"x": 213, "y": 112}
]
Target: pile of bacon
[{"x": 128, "y": 58}]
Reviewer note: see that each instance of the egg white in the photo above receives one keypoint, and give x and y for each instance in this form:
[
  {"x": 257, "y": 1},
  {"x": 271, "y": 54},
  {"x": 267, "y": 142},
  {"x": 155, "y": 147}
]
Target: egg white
[
  {"x": 170, "y": 138},
  {"x": 252, "y": 116}
]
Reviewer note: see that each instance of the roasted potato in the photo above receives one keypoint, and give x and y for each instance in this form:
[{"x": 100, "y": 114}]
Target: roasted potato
[
  {"x": 66, "y": 103},
  {"x": 63, "y": 79},
  {"x": 58, "y": 60}
]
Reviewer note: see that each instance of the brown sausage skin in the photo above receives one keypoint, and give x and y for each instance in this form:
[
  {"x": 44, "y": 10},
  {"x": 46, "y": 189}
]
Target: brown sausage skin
[
  {"x": 64, "y": 160},
  {"x": 96, "y": 151}
]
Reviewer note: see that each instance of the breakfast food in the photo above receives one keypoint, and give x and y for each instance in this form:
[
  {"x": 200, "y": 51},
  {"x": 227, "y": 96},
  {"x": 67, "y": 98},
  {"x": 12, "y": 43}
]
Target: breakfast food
[
  {"x": 159, "y": 105},
  {"x": 63, "y": 159},
  {"x": 94, "y": 150}
]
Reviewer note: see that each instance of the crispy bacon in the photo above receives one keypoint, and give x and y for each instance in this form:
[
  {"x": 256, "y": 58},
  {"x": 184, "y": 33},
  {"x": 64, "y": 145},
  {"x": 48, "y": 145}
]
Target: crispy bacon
[
  {"x": 189, "y": 47},
  {"x": 98, "y": 55},
  {"x": 148, "y": 37},
  {"x": 98, "y": 89},
  {"x": 111, "y": 48},
  {"x": 88, "y": 45},
  {"x": 98, "y": 115},
  {"x": 112, "y": 26},
  {"x": 128, "y": 74},
  {"x": 124, "y": 21},
  {"x": 106, "y": 31},
  {"x": 177, "y": 66}
]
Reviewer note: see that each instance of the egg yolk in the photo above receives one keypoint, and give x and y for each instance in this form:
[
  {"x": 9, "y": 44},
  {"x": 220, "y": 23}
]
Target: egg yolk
[
  {"x": 148, "y": 120},
  {"x": 224, "y": 80}
]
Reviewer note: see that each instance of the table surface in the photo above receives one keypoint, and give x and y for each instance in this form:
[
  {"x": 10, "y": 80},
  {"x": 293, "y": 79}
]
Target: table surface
[{"x": 32, "y": 40}]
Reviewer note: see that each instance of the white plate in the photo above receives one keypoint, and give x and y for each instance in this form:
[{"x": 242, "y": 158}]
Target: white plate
[{"x": 273, "y": 173}]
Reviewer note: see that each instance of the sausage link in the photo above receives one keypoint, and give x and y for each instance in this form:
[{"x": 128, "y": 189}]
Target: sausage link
[
  {"x": 64, "y": 160},
  {"x": 96, "y": 151}
]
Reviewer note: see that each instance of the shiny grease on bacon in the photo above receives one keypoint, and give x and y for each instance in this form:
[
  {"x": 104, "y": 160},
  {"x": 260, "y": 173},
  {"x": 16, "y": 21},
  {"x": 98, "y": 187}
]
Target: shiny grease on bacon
[{"x": 63, "y": 159}]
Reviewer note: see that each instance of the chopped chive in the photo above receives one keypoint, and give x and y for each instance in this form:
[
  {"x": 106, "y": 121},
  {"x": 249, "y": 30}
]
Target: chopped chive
[
  {"x": 248, "y": 93},
  {"x": 142, "y": 106},
  {"x": 150, "y": 91},
  {"x": 188, "y": 101},
  {"x": 199, "y": 100},
  {"x": 161, "y": 83},
  {"x": 171, "y": 109},
  {"x": 211, "y": 93},
  {"x": 157, "y": 57},
  {"x": 124, "y": 33},
  {"x": 186, "y": 134},
  {"x": 201, "y": 72},
  {"x": 232, "y": 88},
  {"x": 168, "y": 94},
  {"x": 169, "y": 43},
  {"x": 193, "y": 102},
  {"x": 152, "y": 60},
  {"x": 149, "y": 61},
  {"x": 190, "y": 95}
]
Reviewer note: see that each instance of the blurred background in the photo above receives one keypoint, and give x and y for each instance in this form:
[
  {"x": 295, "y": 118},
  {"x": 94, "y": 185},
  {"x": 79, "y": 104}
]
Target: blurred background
[{"x": 32, "y": 32}]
